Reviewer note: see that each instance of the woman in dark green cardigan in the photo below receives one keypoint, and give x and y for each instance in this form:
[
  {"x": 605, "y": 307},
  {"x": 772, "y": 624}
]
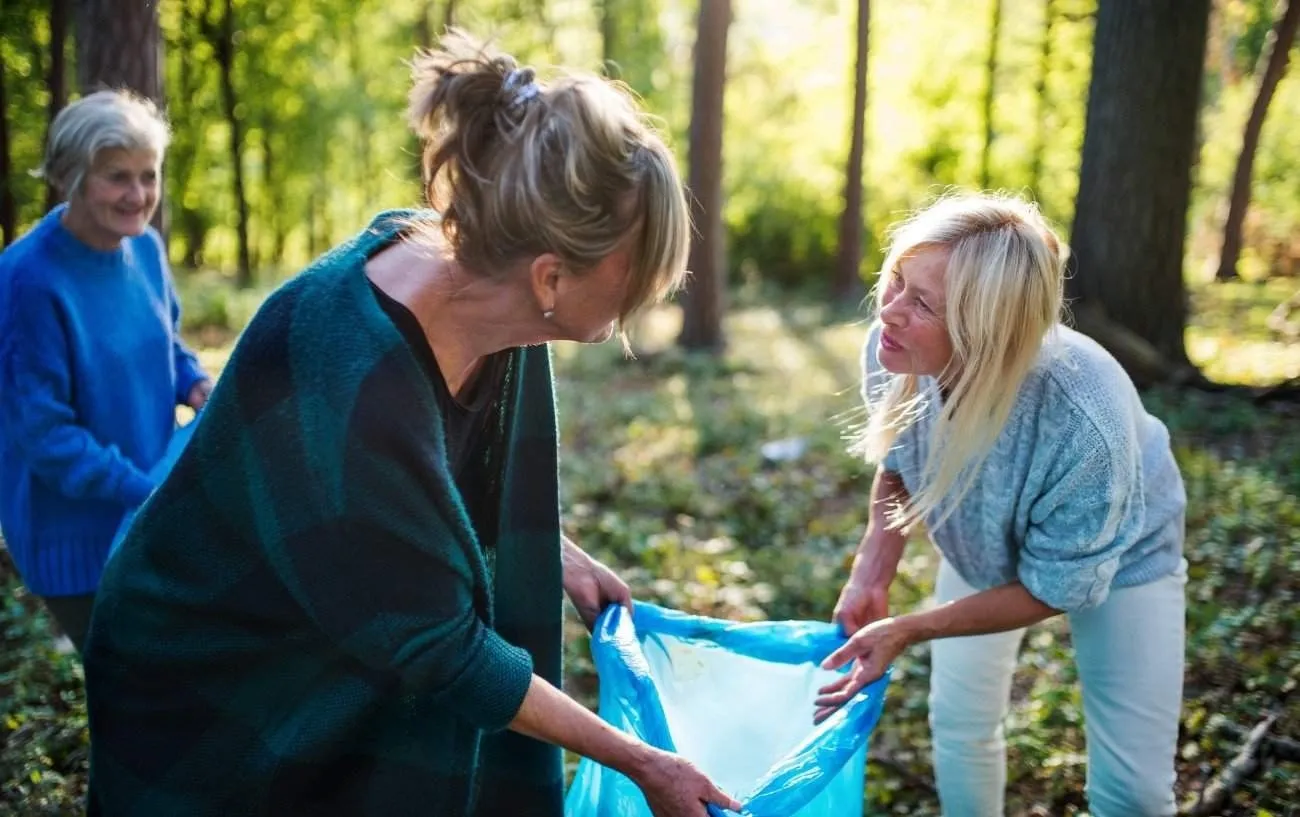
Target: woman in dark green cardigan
[{"x": 347, "y": 596}]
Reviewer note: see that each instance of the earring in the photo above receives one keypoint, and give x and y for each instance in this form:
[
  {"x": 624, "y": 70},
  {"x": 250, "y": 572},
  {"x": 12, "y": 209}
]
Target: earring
[{"x": 548, "y": 314}]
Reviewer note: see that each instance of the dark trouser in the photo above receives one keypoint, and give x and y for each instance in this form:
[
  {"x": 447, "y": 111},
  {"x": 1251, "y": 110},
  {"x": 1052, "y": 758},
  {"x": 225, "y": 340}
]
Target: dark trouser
[{"x": 73, "y": 615}]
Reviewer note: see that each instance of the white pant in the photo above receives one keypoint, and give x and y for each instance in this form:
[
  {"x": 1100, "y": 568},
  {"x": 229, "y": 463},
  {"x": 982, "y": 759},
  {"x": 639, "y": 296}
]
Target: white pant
[{"x": 1129, "y": 652}]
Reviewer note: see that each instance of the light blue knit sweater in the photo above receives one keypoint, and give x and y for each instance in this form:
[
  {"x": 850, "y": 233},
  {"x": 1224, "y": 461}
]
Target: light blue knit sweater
[{"x": 1078, "y": 442}]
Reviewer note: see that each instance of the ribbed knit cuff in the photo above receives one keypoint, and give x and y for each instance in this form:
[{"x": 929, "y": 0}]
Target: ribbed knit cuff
[{"x": 492, "y": 686}]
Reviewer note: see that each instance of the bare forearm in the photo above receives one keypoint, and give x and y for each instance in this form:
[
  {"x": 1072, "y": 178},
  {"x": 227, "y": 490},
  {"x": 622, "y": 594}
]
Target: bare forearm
[
  {"x": 876, "y": 561},
  {"x": 1008, "y": 607},
  {"x": 549, "y": 715}
]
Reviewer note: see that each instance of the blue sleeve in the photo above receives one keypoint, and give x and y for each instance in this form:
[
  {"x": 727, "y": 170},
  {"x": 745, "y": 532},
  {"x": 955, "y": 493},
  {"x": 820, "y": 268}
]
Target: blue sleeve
[
  {"x": 37, "y": 413},
  {"x": 188, "y": 370},
  {"x": 1089, "y": 513}
]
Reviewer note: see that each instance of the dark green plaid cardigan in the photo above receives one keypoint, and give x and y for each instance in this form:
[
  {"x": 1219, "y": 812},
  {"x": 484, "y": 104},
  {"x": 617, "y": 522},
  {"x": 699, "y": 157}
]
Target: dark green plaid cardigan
[{"x": 301, "y": 621}]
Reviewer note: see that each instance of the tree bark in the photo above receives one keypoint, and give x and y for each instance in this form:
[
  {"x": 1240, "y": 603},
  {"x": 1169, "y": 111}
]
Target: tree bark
[
  {"x": 703, "y": 302},
  {"x": 608, "y": 38},
  {"x": 848, "y": 286},
  {"x": 1040, "y": 91},
  {"x": 1135, "y": 179},
  {"x": 57, "y": 79},
  {"x": 8, "y": 207},
  {"x": 223, "y": 43},
  {"x": 990, "y": 89},
  {"x": 1278, "y": 50},
  {"x": 119, "y": 45}
]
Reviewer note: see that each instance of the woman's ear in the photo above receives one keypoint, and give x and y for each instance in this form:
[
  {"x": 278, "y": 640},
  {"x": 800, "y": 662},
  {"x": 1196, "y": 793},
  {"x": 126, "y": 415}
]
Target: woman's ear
[{"x": 544, "y": 275}]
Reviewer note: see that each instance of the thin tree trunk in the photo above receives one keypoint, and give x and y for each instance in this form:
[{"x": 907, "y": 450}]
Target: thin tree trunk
[
  {"x": 8, "y": 207},
  {"x": 224, "y": 46},
  {"x": 848, "y": 279},
  {"x": 57, "y": 80},
  {"x": 609, "y": 38},
  {"x": 990, "y": 89},
  {"x": 1278, "y": 51},
  {"x": 424, "y": 26},
  {"x": 271, "y": 183},
  {"x": 1135, "y": 176},
  {"x": 1040, "y": 90},
  {"x": 703, "y": 303},
  {"x": 449, "y": 15}
]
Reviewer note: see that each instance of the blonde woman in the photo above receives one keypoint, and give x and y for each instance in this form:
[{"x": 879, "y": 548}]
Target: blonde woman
[
  {"x": 1046, "y": 487},
  {"x": 346, "y": 597}
]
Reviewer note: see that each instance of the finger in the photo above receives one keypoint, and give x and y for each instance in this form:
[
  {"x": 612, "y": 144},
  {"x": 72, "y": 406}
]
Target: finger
[
  {"x": 834, "y": 686},
  {"x": 718, "y": 797},
  {"x": 823, "y": 713},
  {"x": 856, "y": 681},
  {"x": 842, "y": 656}
]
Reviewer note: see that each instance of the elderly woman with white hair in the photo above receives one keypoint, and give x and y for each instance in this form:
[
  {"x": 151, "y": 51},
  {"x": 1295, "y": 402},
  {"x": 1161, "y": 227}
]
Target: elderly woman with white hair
[
  {"x": 91, "y": 363},
  {"x": 1025, "y": 450}
]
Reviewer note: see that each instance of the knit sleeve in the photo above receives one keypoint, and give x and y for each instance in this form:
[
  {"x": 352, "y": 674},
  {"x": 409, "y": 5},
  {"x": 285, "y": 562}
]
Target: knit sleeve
[
  {"x": 36, "y": 407},
  {"x": 389, "y": 578},
  {"x": 875, "y": 380},
  {"x": 1088, "y": 514}
]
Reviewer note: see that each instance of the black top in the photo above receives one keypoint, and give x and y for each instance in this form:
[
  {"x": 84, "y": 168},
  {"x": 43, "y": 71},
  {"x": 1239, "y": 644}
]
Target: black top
[{"x": 466, "y": 418}]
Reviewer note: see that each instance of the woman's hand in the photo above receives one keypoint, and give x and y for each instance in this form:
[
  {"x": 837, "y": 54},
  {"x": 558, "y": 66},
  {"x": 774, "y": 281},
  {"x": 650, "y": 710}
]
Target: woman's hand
[
  {"x": 198, "y": 396},
  {"x": 871, "y": 649},
  {"x": 590, "y": 585},
  {"x": 675, "y": 788},
  {"x": 860, "y": 603}
]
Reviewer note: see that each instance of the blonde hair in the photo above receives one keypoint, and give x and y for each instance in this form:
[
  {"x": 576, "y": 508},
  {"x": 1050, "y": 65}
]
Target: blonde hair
[
  {"x": 100, "y": 121},
  {"x": 518, "y": 167},
  {"x": 1004, "y": 285}
]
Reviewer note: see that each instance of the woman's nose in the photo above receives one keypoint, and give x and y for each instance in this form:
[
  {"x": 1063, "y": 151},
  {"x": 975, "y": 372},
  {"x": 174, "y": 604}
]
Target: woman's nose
[{"x": 891, "y": 312}]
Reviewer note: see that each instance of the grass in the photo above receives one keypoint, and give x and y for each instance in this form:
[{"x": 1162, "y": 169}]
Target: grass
[{"x": 664, "y": 477}]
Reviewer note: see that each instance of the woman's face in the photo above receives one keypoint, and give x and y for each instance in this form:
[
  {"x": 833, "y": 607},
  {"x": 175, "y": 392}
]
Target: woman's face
[
  {"x": 117, "y": 198},
  {"x": 587, "y": 305},
  {"x": 914, "y": 337}
]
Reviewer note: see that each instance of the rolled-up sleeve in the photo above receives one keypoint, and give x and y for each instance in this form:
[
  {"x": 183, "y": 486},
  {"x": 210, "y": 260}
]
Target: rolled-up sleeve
[{"x": 1089, "y": 514}]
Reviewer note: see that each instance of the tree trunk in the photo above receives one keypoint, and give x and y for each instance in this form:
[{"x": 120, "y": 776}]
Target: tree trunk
[
  {"x": 119, "y": 45},
  {"x": 848, "y": 287},
  {"x": 990, "y": 88},
  {"x": 1040, "y": 91},
  {"x": 224, "y": 46},
  {"x": 57, "y": 80},
  {"x": 1278, "y": 49},
  {"x": 8, "y": 207},
  {"x": 1135, "y": 177},
  {"x": 609, "y": 38},
  {"x": 449, "y": 15},
  {"x": 703, "y": 301}
]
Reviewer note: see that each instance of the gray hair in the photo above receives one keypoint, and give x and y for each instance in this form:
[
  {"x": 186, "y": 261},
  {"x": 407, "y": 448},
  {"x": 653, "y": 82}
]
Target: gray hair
[{"x": 100, "y": 121}]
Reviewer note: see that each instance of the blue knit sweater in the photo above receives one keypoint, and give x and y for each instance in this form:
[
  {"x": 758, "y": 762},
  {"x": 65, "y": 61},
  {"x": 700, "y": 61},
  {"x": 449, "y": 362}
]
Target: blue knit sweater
[
  {"x": 91, "y": 372},
  {"x": 1080, "y": 493}
]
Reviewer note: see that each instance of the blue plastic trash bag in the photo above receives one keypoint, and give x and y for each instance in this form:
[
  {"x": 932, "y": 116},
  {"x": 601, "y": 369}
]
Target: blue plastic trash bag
[
  {"x": 737, "y": 701},
  {"x": 180, "y": 437}
]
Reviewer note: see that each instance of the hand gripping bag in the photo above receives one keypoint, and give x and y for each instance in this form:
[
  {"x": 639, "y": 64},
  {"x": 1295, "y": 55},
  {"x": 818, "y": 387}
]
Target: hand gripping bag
[{"x": 737, "y": 701}]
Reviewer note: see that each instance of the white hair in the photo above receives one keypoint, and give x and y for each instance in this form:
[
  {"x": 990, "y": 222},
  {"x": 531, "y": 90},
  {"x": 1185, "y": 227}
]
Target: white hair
[{"x": 100, "y": 121}]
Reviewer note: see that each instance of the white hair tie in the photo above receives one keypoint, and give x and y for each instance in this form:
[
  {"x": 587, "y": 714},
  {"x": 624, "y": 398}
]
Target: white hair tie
[{"x": 520, "y": 87}]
